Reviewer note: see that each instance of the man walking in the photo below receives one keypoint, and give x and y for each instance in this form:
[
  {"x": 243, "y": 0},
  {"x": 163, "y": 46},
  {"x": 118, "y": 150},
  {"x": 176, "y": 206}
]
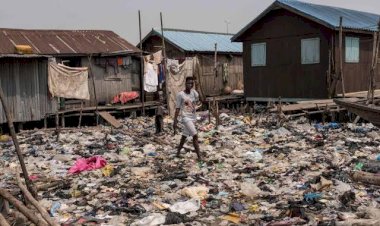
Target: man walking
[{"x": 186, "y": 102}]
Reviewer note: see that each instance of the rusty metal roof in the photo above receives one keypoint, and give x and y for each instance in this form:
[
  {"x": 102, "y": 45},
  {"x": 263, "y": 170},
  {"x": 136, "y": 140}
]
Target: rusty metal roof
[{"x": 64, "y": 42}]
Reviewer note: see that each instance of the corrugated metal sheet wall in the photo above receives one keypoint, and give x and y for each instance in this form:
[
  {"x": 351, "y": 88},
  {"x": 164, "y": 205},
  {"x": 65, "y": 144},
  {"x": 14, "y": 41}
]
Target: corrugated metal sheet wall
[
  {"x": 108, "y": 83},
  {"x": 24, "y": 82}
]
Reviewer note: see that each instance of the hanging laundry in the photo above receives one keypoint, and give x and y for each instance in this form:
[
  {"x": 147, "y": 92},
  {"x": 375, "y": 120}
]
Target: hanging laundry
[
  {"x": 173, "y": 66},
  {"x": 150, "y": 78},
  {"x": 119, "y": 61},
  {"x": 161, "y": 74},
  {"x": 157, "y": 57},
  {"x": 127, "y": 61}
]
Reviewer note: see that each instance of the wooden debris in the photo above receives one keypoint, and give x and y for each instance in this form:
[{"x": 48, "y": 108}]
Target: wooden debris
[
  {"x": 110, "y": 119},
  {"x": 34, "y": 202},
  {"x": 367, "y": 178},
  {"x": 3, "y": 221},
  {"x": 52, "y": 184},
  {"x": 16, "y": 143},
  {"x": 37, "y": 220}
]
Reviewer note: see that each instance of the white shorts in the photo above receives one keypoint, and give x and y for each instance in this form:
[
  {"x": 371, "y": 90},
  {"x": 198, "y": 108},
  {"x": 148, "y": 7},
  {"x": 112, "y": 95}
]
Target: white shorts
[{"x": 189, "y": 129}]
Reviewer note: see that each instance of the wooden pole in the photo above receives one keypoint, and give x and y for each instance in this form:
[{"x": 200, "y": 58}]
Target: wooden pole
[
  {"x": 80, "y": 114},
  {"x": 215, "y": 63},
  {"x": 375, "y": 63},
  {"x": 142, "y": 70},
  {"x": 57, "y": 128},
  {"x": 16, "y": 144},
  {"x": 370, "y": 85},
  {"x": 334, "y": 79},
  {"x": 215, "y": 58},
  {"x": 375, "y": 53},
  {"x": 217, "y": 115},
  {"x": 63, "y": 121},
  {"x": 341, "y": 55},
  {"x": 36, "y": 219},
  {"x": 34, "y": 202},
  {"x": 165, "y": 63},
  {"x": 45, "y": 121},
  {"x": 91, "y": 72},
  {"x": 209, "y": 112},
  {"x": 329, "y": 76},
  {"x": 3, "y": 221}
]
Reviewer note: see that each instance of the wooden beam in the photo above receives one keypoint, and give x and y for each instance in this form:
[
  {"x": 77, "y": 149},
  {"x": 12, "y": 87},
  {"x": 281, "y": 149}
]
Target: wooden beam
[
  {"x": 341, "y": 54},
  {"x": 3, "y": 221},
  {"x": 16, "y": 143},
  {"x": 142, "y": 82},
  {"x": 22, "y": 208},
  {"x": 165, "y": 63},
  {"x": 34, "y": 202}
]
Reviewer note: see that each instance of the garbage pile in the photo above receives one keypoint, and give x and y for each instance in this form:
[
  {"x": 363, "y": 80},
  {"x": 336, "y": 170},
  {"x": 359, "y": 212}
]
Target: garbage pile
[{"x": 256, "y": 171}]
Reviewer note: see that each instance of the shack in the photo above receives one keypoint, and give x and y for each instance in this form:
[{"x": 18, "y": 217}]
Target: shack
[
  {"x": 291, "y": 50},
  {"x": 114, "y": 62},
  {"x": 216, "y": 72},
  {"x": 23, "y": 79}
]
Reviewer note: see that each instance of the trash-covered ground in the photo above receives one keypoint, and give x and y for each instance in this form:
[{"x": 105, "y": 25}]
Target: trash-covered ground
[{"x": 255, "y": 172}]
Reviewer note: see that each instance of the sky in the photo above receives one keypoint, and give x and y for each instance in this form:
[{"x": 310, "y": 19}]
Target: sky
[{"x": 121, "y": 16}]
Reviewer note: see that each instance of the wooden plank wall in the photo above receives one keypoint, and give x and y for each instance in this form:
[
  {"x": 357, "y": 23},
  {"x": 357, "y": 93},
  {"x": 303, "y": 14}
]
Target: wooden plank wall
[
  {"x": 212, "y": 83},
  {"x": 24, "y": 82}
]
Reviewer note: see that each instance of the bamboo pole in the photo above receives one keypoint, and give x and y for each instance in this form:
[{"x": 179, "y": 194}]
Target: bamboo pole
[
  {"x": 142, "y": 81},
  {"x": 341, "y": 55},
  {"x": 16, "y": 144},
  {"x": 22, "y": 208}
]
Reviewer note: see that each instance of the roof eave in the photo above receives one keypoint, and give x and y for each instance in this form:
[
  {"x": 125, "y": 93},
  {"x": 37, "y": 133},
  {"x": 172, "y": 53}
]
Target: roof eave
[
  {"x": 213, "y": 52},
  {"x": 154, "y": 32}
]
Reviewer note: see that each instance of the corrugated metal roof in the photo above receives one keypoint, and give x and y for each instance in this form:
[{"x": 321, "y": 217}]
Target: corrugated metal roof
[
  {"x": 199, "y": 41},
  {"x": 351, "y": 18},
  {"x": 23, "y": 56},
  {"x": 326, "y": 15},
  {"x": 64, "y": 42}
]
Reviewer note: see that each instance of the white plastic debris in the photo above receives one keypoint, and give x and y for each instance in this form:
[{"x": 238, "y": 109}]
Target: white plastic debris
[{"x": 191, "y": 205}]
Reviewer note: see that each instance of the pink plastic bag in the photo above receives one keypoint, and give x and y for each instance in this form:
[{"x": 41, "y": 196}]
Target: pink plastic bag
[{"x": 95, "y": 162}]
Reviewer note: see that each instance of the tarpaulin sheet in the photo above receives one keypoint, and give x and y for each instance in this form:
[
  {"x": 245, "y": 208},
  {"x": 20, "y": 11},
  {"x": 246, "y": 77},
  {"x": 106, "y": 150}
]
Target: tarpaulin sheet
[{"x": 68, "y": 82}]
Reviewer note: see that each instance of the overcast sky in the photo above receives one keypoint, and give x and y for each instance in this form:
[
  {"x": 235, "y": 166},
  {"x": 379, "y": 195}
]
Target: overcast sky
[{"x": 121, "y": 16}]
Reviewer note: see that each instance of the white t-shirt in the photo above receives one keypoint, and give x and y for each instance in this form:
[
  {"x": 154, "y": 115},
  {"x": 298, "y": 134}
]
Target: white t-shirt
[{"x": 186, "y": 102}]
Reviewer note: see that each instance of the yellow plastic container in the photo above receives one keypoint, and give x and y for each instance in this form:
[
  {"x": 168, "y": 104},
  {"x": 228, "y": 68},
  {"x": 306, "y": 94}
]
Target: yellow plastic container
[{"x": 24, "y": 49}]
